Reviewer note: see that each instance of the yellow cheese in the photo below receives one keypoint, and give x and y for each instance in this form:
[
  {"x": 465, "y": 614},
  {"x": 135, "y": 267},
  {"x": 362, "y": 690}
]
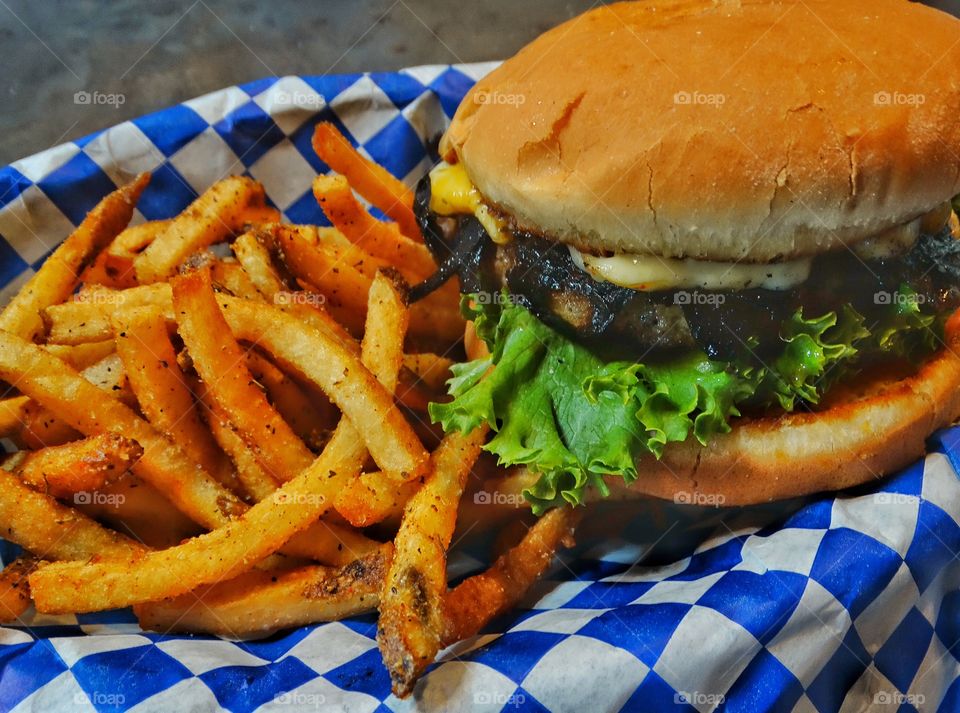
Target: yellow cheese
[{"x": 452, "y": 193}]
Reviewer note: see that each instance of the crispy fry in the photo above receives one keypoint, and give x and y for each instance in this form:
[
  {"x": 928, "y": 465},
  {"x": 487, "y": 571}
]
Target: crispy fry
[
  {"x": 80, "y": 466},
  {"x": 40, "y": 524},
  {"x": 238, "y": 545},
  {"x": 59, "y": 274},
  {"x": 430, "y": 369},
  {"x": 114, "y": 265},
  {"x": 211, "y": 218},
  {"x": 309, "y": 421},
  {"x": 13, "y": 414},
  {"x": 80, "y": 356},
  {"x": 411, "y": 621},
  {"x": 81, "y": 405},
  {"x": 373, "y": 497},
  {"x": 370, "y": 180},
  {"x": 87, "y": 319},
  {"x": 230, "y": 276},
  {"x": 14, "y": 588},
  {"x": 480, "y": 598},
  {"x": 220, "y": 362},
  {"x": 161, "y": 389},
  {"x": 258, "y": 602},
  {"x": 255, "y": 258},
  {"x": 383, "y": 240}
]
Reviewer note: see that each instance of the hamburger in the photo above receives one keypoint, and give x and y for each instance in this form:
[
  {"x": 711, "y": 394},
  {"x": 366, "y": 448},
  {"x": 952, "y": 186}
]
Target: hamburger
[{"x": 710, "y": 246}]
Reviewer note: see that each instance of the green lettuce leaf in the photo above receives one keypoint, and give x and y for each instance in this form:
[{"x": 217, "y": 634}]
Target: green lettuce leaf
[{"x": 560, "y": 410}]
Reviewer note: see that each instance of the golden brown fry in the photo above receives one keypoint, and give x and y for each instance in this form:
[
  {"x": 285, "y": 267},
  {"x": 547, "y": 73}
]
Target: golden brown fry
[
  {"x": 480, "y": 598},
  {"x": 220, "y": 362},
  {"x": 87, "y": 318},
  {"x": 308, "y": 421},
  {"x": 231, "y": 277},
  {"x": 14, "y": 588},
  {"x": 383, "y": 240},
  {"x": 238, "y": 545},
  {"x": 143, "y": 345},
  {"x": 411, "y": 622},
  {"x": 80, "y": 356},
  {"x": 13, "y": 415},
  {"x": 258, "y": 602},
  {"x": 114, "y": 265},
  {"x": 373, "y": 497},
  {"x": 78, "y": 467},
  {"x": 211, "y": 218},
  {"x": 255, "y": 258},
  {"x": 370, "y": 180},
  {"x": 59, "y": 274},
  {"x": 83, "y": 406},
  {"x": 430, "y": 369},
  {"x": 40, "y": 524}
]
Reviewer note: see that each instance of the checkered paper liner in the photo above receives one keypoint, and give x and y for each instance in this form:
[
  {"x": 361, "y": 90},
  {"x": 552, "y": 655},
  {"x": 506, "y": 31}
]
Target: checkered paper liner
[{"x": 836, "y": 603}]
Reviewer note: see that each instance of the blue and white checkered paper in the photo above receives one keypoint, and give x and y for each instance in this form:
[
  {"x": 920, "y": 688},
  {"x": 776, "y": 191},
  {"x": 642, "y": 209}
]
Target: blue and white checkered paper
[{"x": 846, "y": 602}]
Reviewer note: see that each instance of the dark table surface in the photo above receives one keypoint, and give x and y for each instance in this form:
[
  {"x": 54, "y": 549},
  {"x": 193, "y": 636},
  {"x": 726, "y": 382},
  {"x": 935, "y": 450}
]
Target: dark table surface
[{"x": 154, "y": 54}]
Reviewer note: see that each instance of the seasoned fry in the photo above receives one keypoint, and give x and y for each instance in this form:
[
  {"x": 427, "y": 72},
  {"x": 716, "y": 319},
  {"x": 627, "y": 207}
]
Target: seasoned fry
[
  {"x": 13, "y": 414},
  {"x": 258, "y": 602},
  {"x": 220, "y": 362},
  {"x": 59, "y": 274},
  {"x": 255, "y": 258},
  {"x": 238, "y": 545},
  {"x": 80, "y": 466},
  {"x": 383, "y": 240},
  {"x": 211, "y": 218},
  {"x": 231, "y": 277},
  {"x": 411, "y": 622},
  {"x": 80, "y": 356},
  {"x": 87, "y": 319},
  {"x": 370, "y": 180},
  {"x": 144, "y": 347},
  {"x": 114, "y": 265},
  {"x": 14, "y": 588},
  {"x": 480, "y": 598},
  {"x": 40, "y": 524},
  {"x": 430, "y": 369},
  {"x": 83, "y": 406},
  {"x": 373, "y": 497}
]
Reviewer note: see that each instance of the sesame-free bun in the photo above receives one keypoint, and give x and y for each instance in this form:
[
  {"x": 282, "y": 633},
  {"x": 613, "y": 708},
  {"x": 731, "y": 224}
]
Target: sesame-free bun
[
  {"x": 722, "y": 130},
  {"x": 855, "y": 441}
]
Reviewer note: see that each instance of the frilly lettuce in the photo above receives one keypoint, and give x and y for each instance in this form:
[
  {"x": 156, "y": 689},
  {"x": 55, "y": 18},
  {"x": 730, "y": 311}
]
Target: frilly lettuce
[{"x": 563, "y": 412}]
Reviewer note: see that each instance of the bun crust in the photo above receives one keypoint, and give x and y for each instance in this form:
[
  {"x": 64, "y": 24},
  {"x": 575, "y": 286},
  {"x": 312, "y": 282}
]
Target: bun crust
[
  {"x": 727, "y": 130},
  {"x": 797, "y": 454}
]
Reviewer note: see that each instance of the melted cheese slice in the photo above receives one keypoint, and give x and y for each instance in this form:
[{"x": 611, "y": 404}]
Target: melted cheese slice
[
  {"x": 649, "y": 272},
  {"x": 453, "y": 193}
]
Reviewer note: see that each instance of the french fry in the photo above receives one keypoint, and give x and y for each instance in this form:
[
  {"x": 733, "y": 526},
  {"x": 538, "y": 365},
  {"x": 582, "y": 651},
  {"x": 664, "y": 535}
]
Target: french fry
[
  {"x": 221, "y": 364},
  {"x": 308, "y": 421},
  {"x": 53, "y": 384},
  {"x": 383, "y": 240},
  {"x": 230, "y": 276},
  {"x": 80, "y": 356},
  {"x": 373, "y": 497},
  {"x": 430, "y": 369},
  {"x": 13, "y": 414},
  {"x": 259, "y": 602},
  {"x": 237, "y": 545},
  {"x": 114, "y": 265},
  {"x": 255, "y": 258},
  {"x": 144, "y": 347},
  {"x": 39, "y": 428},
  {"x": 211, "y": 218},
  {"x": 80, "y": 466},
  {"x": 40, "y": 524},
  {"x": 478, "y": 599},
  {"x": 87, "y": 319},
  {"x": 370, "y": 180},
  {"x": 14, "y": 588},
  {"x": 59, "y": 274},
  {"x": 411, "y": 624}
]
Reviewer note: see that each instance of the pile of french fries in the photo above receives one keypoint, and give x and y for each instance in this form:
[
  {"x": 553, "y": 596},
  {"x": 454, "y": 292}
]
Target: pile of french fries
[{"x": 220, "y": 421}]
